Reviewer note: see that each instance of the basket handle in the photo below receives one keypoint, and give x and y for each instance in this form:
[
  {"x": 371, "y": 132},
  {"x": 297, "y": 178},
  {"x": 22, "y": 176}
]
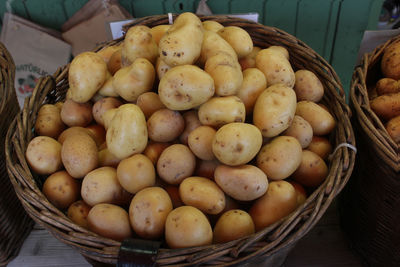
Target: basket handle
[{"x": 137, "y": 252}]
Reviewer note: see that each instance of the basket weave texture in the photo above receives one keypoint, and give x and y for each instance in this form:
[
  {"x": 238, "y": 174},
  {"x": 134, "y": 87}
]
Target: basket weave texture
[
  {"x": 370, "y": 204},
  {"x": 15, "y": 224},
  {"x": 270, "y": 245}
]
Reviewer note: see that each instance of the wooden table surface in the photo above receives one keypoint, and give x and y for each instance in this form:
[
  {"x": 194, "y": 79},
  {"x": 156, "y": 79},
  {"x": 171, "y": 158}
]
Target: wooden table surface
[{"x": 325, "y": 245}]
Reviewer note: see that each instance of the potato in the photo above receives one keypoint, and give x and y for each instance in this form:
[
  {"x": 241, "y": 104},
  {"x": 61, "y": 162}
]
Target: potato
[
  {"x": 149, "y": 103},
  {"x": 300, "y": 192},
  {"x": 106, "y": 158},
  {"x": 245, "y": 182},
  {"x": 76, "y": 114},
  {"x": 107, "y": 52},
  {"x": 158, "y": 32},
  {"x": 43, "y": 155},
  {"x": 206, "y": 168},
  {"x": 176, "y": 163},
  {"x": 148, "y": 212},
  {"x": 232, "y": 225},
  {"x": 210, "y": 25},
  {"x": 238, "y": 38},
  {"x": 226, "y": 73},
  {"x": 222, "y": 110},
  {"x": 115, "y": 62},
  {"x": 107, "y": 89},
  {"x": 135, "y": 173},
  {"x": 108, "y": 116},
  {"x": 254, "y": 83},
  {"x": 181, "y": 44},
  {"x": 185, "y": 87},
  {"x": 307, "y": 86},
  {"x": 98, "y": 133},
  {"x": 320, "y": 146},
  {"x": 236, "y": 143},
  {"x": 187, "y": 226},
  {"x": 61, "y": 189},
  {"x": 280, "y": 158},
  {"x": 321, "y": 121},
  {"x": 132, "y": 81},
  {"x": 101, "y": 106},
  {"x": 109, "y": 221},
  {"x": 101, "y": 186},
  {"x": 301, "y": 130},
  {"x": 274, "y": 110},
  {"x": 202, "y": 193},
  {"x": 79, "y": 154},
  {"x": 276, "y": 67},
  {"x": 127, "y": 132},
  {"x": 279, "y": 49},
  {"x": 191, "y": 122},
  {"x": 165, "y": 125},
  {"x": 84, "y": 82},
  {"x": 48, "y": 121},
  {"x": 249, "y": 61},
  {"x": 173, "y": 192},
  {"x": 78, "y": 213},
  {"x": 214, "y": 44},
  {"x": 279, "y": 201},
  {"x": 161, "y": 68},
  {"x": 393, "y": 129},
  {"x": 138, "y": 43},
  {"x": 200, "y": 142},
  {"x": 312, "y": 170},
  {"x": 387, "y": 86},
  {"x": 154, "y": 149},
  {"x": 71, "y": 131},
  {"x": 386, "y": 106},
  {"x": 390, "y": 61}
]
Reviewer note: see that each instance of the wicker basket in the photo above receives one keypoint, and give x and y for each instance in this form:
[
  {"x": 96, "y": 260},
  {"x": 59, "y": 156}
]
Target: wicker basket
[
  {"x": 370, "y": 204},
  {"x": 15, "y": 224},
  {"x": 269, "y": 246}
]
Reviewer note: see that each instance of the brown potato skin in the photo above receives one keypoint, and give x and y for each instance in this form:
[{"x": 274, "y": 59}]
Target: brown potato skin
[
  {"x": 192, "y": 121},
  {"x": 390, "y": 64},
  {"x": 149, "y": 103},
  {"x": 393, "y": 129},
  {"x": 233, "y": 225},
  {"x": 49, "y": 122},
  {"x": 320, "y": 146},
  {"x": 312, "y": 170},
  {"x": 154, "y": 149},
  {"x": 78, "y": 212},
  {"x": 386, "y": 106},
  {"x": 101, "y": 106},
  {"x": 165, "y": 125},
  {"x": 301, "y": 130},
  {"x": 307, "y": 86},
  {"x": 76, "y": 114},
  {"x": 387, "y": 86}
]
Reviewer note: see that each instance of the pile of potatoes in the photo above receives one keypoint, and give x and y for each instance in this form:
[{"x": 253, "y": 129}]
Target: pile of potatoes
[{"x": 185, "y": 132}]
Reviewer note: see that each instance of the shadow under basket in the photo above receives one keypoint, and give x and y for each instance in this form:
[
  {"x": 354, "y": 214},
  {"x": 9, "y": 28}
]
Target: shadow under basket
[
  {"x": 369, "y": 205},
  {"x": 268, "y": 247},
  {"x": 15, "y": 224}
]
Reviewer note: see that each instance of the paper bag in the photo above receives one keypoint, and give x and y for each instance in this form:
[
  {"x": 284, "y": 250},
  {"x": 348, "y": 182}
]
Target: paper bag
[{"x": 35, "y": 52}]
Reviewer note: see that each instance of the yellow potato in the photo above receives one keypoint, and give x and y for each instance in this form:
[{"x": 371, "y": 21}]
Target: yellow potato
[
  {"x": 43, "y": 155},
  {"x": 176, "y": 163},
  {"x": 191, "y": 122},
  {"x": 101, "y": 106},
  {"x": 115, "y": 62},
  {"x": 109, "y": 221},
  {"x": 276, "y": 67},
  {"x": 181, "y": 44},
  {"x": 238, "y": 38},
  {"x": 301, "y": 130},
  {"x": 279, "y": 201},
  {"x": 202, "y": 193},
  {"x": 280, "y": 158},
  {"x": 232, "y": 225},
  {"x": 280, "y": 49},
  {"x": 148, "y": 212},
  {"x": 71, "y": 131},
  {"x": 108, "y": 116},
  {"x": 132, "y": 81},
  {"x": 274, "y": 110},
  {"x": 135, "y": 173},
  {"x": 210, "y": 25},
  {"x": 76, "y": 114},
  {"x": 222, "y": 110},
  {"x": 48, "y": 121},
  {"x": 78, "y": 213},
  {"x": 321, "y": 121},
  {"x": 158, "y": 32},
  {"x": 185, "y": 87},
  {"x": 312, "y": 170},
  {"x": 165, "y": 125},
  {"x": 254, "y": 83},
  {"x": 106, "y": 158},
  {"x": 245, "y": 182},
  {"x": 320, "y": 146},
  {"x": 214, "y": 44},
  {"x": 107, "y": 52},
  {"x": 236, "y": 143},
  {"x": 98, "y": 133},
  {"x": 138, "y": 43},
  {"x": 107, "y": 89},
  {"x": 61, "y": 189},
  {"x": 308, "y": 86},
  {"x": 79, "y": 154},
  {"x": 154, "y": 149},
  {"x": 149, "y": 103},
  {"x": 84, "y": 82},
  {"x": 161, "y": 68},
  {"x": 187, "y": 226},
  {"x": 101, "y": 186},
  {"x": 127, "y": 132},
  {"x": 249, "y": 61},
  {"x": 300, "y": 192},
  {"x": 200, "y": 142},
  {"x": 226, "y": 73},
  {"x": 386, "y": 106}
]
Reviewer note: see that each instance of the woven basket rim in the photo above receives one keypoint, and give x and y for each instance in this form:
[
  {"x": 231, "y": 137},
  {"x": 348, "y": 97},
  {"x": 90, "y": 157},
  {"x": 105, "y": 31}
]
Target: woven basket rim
[{"x": 264, "y": 243}]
